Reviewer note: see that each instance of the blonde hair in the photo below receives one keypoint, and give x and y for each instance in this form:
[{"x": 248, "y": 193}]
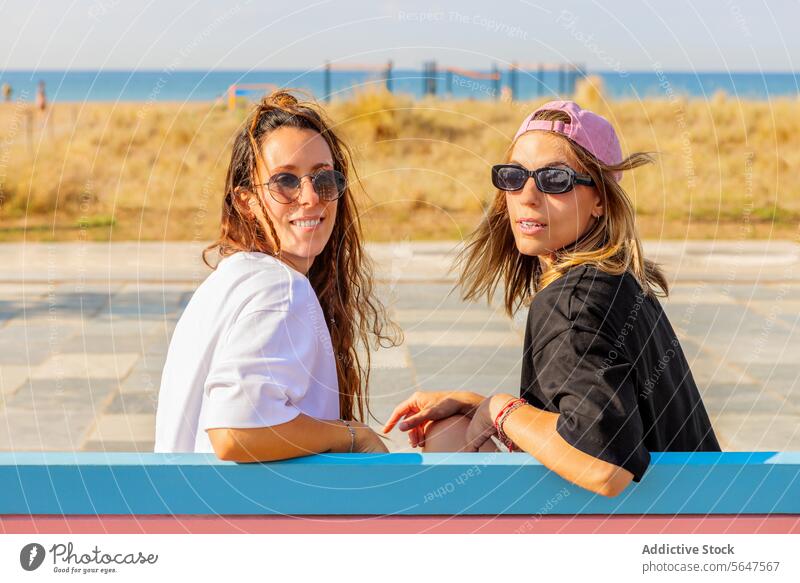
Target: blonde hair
[{"x": 612, "y": 243}]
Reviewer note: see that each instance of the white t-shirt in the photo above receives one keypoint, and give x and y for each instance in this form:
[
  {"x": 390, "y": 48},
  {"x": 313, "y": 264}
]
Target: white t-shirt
[{"x": 251, "y": 349}]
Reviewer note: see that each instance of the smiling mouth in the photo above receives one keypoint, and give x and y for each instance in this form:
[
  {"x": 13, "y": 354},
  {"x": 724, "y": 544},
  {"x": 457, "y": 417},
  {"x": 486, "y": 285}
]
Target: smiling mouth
[
  {"x": 307, "y": 223},
  {"x": 531, "y": 228}
]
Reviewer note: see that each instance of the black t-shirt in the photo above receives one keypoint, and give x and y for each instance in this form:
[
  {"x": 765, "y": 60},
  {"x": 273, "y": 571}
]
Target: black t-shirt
[{"x": 603, "y": 354}]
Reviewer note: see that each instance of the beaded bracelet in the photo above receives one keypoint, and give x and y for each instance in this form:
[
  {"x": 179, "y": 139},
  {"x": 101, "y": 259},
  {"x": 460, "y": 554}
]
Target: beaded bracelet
[{"x": 501, "y": 418}]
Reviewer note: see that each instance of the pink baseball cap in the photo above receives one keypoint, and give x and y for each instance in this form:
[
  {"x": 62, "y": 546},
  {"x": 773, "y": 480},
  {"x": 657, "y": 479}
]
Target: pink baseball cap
[{"x": 592, "y": 131}]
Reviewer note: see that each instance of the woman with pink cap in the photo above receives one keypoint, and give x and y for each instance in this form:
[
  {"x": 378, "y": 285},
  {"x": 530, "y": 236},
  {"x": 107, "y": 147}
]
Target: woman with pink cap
[{"x": 604, "y": 379}]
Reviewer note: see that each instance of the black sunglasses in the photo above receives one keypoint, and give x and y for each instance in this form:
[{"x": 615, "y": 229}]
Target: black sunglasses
[
  {"x": 511, "y": 177},
  {"x": 328, "y": 184}
]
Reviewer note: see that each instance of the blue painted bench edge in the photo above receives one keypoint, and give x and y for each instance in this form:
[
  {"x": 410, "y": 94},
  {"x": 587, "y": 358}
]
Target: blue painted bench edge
[{"x": 89, "y": 483}]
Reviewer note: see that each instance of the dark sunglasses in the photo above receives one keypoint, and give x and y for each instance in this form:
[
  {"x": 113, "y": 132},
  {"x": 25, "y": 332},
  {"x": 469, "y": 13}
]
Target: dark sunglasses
[
  {"x": 511, "y": 177},
  {"x": 328, "y": 184}
]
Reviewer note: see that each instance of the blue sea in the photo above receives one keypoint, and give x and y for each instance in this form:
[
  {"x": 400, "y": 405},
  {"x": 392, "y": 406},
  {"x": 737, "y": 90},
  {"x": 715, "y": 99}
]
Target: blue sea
[{"x": 168, "y": 85}]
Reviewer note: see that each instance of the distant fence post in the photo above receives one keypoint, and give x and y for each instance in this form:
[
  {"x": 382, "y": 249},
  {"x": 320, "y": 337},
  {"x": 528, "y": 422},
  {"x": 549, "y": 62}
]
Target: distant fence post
[
  {"x": 496, "y": 79},
  {"x": 512, "y": 81},
  {"x": 389, "y": 65},
  {"x": 327, "y": 81},
  {"x": 429, "y": 82}
]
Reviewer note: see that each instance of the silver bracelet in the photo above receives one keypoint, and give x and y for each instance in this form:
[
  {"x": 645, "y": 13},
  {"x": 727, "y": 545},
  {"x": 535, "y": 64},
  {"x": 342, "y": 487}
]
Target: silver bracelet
[{"x": 352, "y": 434}]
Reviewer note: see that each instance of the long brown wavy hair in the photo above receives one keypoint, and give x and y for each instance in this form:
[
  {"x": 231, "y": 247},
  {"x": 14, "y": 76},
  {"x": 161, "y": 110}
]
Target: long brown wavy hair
[
  {"x": 612, "y": 244},
  {"x": 341, "y": 274}
]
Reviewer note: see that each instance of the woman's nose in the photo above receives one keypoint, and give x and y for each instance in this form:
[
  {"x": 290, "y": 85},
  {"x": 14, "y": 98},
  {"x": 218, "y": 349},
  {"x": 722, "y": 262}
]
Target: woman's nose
[
  {"x": 530, "y": 194},
  {"x": 308, "y": 195}
]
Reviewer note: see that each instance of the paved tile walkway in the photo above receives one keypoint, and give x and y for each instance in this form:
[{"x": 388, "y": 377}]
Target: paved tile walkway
[{"x": 84, "y": 330}]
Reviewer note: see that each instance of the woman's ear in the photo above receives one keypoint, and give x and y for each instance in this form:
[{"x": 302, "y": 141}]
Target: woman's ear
[
  {"x": 597, "y": 209},
  {"x": 245, "y": 201}
]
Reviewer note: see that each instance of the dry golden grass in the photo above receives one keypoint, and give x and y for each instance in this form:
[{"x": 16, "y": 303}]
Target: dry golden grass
[{"x": 155, "y": 171}]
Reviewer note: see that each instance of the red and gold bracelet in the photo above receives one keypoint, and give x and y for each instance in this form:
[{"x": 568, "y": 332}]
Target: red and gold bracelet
[{"x": 501, "y": 418}]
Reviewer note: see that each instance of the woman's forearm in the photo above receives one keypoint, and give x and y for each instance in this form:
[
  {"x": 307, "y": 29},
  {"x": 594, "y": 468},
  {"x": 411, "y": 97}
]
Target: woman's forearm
[
  {"x": 534, "y": 431},
  {"x": 301, "y": 436}
]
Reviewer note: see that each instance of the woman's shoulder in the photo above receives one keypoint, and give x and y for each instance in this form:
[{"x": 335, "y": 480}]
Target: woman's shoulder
[
  {"x": 588, "y": 290},
  {"x": 257, "y": 282}
]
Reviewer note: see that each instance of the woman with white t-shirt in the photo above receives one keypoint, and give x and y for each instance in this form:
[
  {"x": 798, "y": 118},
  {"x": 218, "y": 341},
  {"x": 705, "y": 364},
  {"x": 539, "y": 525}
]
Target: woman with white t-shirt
[{"x": 263, "y": 364}]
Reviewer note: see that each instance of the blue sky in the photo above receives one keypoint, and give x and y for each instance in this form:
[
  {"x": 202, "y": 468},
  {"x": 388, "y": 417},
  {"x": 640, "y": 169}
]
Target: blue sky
[{"x": 719, "y": 35}]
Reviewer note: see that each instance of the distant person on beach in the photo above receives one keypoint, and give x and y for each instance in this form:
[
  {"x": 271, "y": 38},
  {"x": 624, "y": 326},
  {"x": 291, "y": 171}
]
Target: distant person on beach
[
  {"x": 41, "y": 97},
  {"x": 7, "y": 91},
  {"x": 604, "y": 378},
  {"x": 264, "y": 363}
]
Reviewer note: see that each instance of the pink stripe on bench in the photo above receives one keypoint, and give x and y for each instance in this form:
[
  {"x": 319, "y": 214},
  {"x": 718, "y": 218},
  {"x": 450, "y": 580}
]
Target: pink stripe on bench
[{"x": 579, "y": 524}]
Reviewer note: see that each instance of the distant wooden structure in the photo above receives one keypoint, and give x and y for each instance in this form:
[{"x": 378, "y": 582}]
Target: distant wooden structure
[
  {"x": 385, "y": 70},
  {"x": 493, "y": 76},
  {"x": 239, "y": 89},
  {"x": 429, "y": 78},
  {"x": 567, "y": 76}
]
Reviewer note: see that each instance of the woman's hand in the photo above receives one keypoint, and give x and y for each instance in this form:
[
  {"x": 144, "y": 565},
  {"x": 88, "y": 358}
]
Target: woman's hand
[
  {"x": 422, "y": 408},
  {"x": 481, "y": 428}
]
